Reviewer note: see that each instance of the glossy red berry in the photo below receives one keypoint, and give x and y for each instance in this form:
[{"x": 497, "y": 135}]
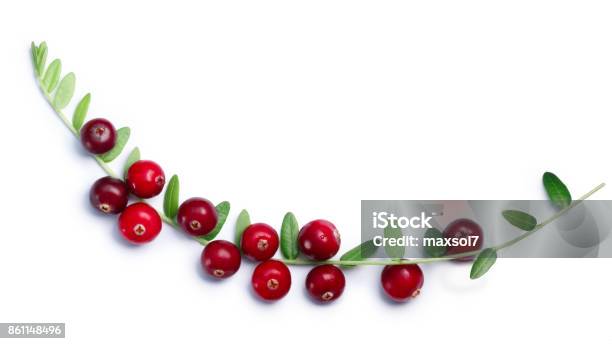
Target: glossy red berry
[
  {"x": 145, "y": 179},
  {"x": 325, "y": 283},
  {"x": 197, "y": 216},
  {"x": 271, "y": 280},
  {"x": 109, "y": 195},
  {"x": 402, "y": 282},
  {"x": 319, "y": 240},
  {"x": 98, "y": 136},
  {"x": 259, "y": 242},
  {"x": 466, "y": 230},
  {"x": 139, "y": 223},
  {"x": 221, "y": 258}
]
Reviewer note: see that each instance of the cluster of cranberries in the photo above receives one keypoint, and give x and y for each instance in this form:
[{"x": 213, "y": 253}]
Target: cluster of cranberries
[
  {"x": 318, "y": 240},
  {"x": 139, "y": 223}
]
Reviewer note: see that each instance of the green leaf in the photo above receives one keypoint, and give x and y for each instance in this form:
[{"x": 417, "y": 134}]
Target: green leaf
[
  {"x": 39, "y": 57},
  {"x": 288, "y": 236},
  {"x": 242, "y": 222},
  {"x": 52, "y": 76},
  {"x": 223, "y": 210},
  {"x": 80, "y": 112},
  {"x": 65, "y": 91},
  {"x": 484, "y": 261},
  {"x": 171, "y": 197},
  {"x": 557, "y": 191},
  {"x": 34, "y": 51},
  {"x": 131, "y": 159},
  {"x": 394, "y": 251},
  {"x": 434, "y": 251},
  {"x": 123, "y": 135},
  {"x": 360, "y": 252},
  {"x": 520, "y": 219}
]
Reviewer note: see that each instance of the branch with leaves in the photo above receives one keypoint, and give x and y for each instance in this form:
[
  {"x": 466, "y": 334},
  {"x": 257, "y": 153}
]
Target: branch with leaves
[{"x": 59, "y": 91}]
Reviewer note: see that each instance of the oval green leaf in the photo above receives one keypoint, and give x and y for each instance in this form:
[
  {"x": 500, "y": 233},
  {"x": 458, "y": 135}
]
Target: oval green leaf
[
  {"x": 65, "y": 91},
  {"x": 131, "y": 159},
  {"x": 288, "y": 236},
  {"x": 432, "y": 250},
  {"x": 52, "y": 76},
  {"x": 242, "y": 222},
  {"x": 123, "y": 135},
  {"x": 223, "y": 210},
  {"x": 394, "y": 251},
  {"x": 171, "y": 197},
  {"x": 39, "y": 57},
  {"x": 80, "y": 112},
  {"x": 520, "y": 219},
  {"x": 556, "y": 190},
  {"x": 484, "y": 261},
  {"x": 362, "y": 251},
  {"x": 34, "y": 51}
]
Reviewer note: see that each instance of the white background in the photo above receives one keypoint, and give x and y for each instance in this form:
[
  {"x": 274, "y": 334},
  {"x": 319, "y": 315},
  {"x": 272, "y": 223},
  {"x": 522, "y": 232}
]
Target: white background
[{"x": 306, "y": 106}]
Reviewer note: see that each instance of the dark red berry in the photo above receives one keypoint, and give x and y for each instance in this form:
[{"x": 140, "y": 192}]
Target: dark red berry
[
  {"x": 139, "y": 223},
  {"x": 221, "y": 258},
  {"x": 145, "y": 179},
  {"x": 109, "y": 195},
  {"x": 98, "y": 136},
  {"x": 325, "y": 283},
  {"x": 402, "y": 282},
  {"x": 466, "y": 230},
  {"x": 271, "y": 280},
  {"x": 319, "y": 240},
  {"x": 197, "y": 216},
  {"x": 259, "y": 241}
]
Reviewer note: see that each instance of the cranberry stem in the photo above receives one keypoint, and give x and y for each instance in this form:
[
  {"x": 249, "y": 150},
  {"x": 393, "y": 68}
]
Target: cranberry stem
[{"x": 109, "y": 171}]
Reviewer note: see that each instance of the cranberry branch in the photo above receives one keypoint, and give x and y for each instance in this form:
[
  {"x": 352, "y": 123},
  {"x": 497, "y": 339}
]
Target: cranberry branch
[{"x": 316, "y": 242}]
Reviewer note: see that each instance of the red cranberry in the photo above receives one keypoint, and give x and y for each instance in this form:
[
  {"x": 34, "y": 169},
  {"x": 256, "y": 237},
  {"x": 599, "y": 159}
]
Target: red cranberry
[
  {"x": 98, "y": 136},
  {"x": 402, "y": 282},
  {"x": 271, "y": 280},
  {"x": 139, "y": 223},
  {"x": 109, "y": 195},
  {"x": 197, "y": 216},
  {"x": 259, "y": 241},
  {"x": 221, "y": 258},
  {"x": 319, "y": 240},
  {"x": 465, "y": 229},
  {"x": 145, "y": 179},
  {"x": 325, "y": 283}
]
